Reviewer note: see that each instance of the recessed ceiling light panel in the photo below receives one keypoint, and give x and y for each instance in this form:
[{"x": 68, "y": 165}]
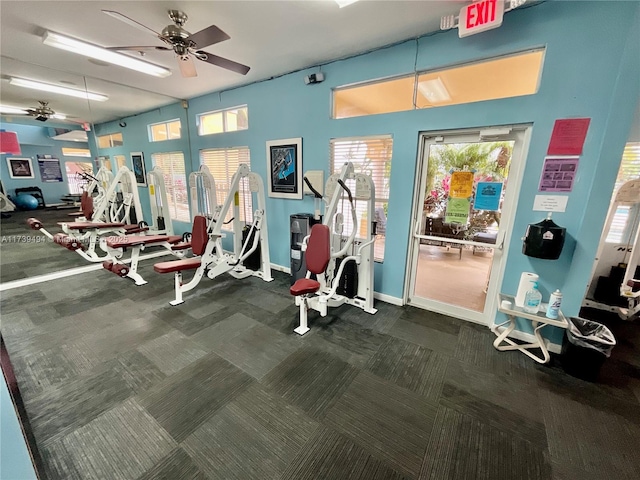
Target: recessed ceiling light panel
[{"x": 47, "y": 87}]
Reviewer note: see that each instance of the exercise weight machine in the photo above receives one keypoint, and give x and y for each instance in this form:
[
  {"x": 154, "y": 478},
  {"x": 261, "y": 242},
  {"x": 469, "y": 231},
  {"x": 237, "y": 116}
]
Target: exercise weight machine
[{"x": 341, "y": 262}]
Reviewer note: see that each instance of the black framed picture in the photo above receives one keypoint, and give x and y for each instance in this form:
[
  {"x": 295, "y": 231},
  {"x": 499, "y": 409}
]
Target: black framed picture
[
  {"x": 20, "y": 168},
  {"x": 284, "y": 168},
  {"x": 137, "y": 161}
]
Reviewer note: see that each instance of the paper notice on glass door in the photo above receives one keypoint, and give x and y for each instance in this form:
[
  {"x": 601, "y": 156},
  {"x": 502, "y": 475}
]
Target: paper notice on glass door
[{"x": 558, "y": 174}]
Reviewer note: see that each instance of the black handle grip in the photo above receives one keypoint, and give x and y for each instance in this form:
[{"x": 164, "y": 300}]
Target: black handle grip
[
  {"x": 315, "y": 192},
  {"x": 342, "y": 184}
]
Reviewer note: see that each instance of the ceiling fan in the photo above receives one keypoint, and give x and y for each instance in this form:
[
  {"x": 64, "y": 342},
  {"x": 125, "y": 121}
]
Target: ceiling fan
[
  {"x": 42, "y": 112},
  {"x": 185, "y": 45}
]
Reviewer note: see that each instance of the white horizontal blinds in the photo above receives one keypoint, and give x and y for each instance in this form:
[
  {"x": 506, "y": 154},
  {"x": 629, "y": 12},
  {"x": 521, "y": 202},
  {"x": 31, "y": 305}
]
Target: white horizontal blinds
[
  {"x": 223, "y": 164},
  {"x": 175, "y": 181},
  {"x": 370, "y": 155},
  {"x": 629, "y": 170},
  {"x": 74, "y": 175}
]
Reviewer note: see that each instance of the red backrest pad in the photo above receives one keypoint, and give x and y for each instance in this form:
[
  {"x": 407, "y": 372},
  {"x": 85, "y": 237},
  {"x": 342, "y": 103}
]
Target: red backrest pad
[
  {"x": 86, "y": 205},
  {"x": 318, "y": 249},
  {"x": 199, "y": 236}
]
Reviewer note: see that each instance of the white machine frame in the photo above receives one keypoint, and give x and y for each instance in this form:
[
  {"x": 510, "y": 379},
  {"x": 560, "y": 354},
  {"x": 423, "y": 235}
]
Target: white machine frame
[
  {"x": 6, "y": 205},
  {"x": 158, "y": 199},
  {"x": 360, "y": 250},
  {"x": 215, "y": 261},
  {"x": 627, "y": 195},
  {"x": 202, "y": 189}
]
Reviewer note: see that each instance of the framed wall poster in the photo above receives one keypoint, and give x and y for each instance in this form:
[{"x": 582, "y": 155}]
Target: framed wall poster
[
  {"x": 284, "y": 168},
  {"x": 20, "y": 168},
  {"x": 137, "y": 160}
]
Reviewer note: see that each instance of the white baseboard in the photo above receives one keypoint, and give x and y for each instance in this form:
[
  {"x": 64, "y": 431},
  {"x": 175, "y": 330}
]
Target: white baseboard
[
  {"x": 388, "y": 299},
  {"x": 529, "y": 338},
  {"x": 280, "y": 268}
]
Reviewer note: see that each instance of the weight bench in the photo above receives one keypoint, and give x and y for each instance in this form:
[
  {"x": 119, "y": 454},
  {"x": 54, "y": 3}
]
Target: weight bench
[
  {"x": 82, "y": 237},
  {"x": 116, "y": 246}
]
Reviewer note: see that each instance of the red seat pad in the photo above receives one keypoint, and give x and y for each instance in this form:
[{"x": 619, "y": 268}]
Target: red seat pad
[
  {"x": 86, "y": 204},
  {"x": 135, "y": 229},
  {"x": 304, "y": 286},
  {"x": 177, "y": 265},
  {"x": 90, "y": 225},
  {"x": 132, "y": 241}
]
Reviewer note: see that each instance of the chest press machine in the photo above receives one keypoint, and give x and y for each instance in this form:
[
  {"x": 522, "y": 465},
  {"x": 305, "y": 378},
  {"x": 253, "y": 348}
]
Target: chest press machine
[
  {"x": 207, "y": 237},
  {"x": 342, "y": 264}
]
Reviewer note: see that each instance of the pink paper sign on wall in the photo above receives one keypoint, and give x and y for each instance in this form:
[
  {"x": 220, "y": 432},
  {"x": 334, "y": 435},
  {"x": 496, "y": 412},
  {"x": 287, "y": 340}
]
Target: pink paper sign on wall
[{"x": 568, "y": 136}]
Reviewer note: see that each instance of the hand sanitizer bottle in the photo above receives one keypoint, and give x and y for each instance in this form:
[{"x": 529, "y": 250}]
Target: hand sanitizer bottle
[
  {"x": 532, "y": 299},
  {"x": 554, "y": 305}
]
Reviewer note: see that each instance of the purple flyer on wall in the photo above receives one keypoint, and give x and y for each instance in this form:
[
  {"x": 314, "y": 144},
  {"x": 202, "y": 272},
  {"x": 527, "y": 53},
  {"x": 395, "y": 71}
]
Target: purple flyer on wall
[{"x": 558, "y": 174}]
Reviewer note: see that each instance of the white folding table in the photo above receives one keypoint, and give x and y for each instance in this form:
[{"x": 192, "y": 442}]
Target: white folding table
[{"x": 538, "y": 321}]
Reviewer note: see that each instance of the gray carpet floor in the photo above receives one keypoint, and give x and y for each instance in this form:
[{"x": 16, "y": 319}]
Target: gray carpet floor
[{"x": 118, "y": 384}]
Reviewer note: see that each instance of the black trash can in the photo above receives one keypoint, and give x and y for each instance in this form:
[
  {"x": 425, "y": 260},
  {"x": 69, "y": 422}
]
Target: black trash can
[{"x": 585, "y": 347}]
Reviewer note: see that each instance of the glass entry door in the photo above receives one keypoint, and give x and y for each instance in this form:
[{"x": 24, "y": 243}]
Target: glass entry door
[{"x": 466, "y": 191}]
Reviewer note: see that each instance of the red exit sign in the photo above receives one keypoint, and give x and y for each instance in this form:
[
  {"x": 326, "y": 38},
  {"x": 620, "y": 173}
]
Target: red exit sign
[{"x": 480, "y": 16}]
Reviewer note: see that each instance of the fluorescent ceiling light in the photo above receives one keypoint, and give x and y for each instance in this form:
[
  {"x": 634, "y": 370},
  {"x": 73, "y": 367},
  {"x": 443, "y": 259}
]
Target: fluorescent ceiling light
[
  {"x": 434, "y": 90},
  {"x": 344, "y": 3},
  {"x": 59, "y": 116},
  {"x": 47, "y": 87},
  {"x": 14, "y": 110},
  {"x": 82, "y": 48}
]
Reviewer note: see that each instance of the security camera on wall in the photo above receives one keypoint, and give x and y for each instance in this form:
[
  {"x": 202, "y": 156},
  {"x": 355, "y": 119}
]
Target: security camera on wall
[{"x": 314, "y": 78}]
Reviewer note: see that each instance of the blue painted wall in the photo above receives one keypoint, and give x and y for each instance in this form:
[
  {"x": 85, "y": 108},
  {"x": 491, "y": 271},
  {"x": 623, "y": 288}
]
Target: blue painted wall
[
  {"x": 591, "y": 69},
  {"x": 35, "y": 140},
  {"x": 15, "y": 461}
]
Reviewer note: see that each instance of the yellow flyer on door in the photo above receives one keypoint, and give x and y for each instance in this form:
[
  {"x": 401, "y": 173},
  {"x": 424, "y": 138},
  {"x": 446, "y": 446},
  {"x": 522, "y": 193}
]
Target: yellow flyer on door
[{"x": 461, "y": 185}]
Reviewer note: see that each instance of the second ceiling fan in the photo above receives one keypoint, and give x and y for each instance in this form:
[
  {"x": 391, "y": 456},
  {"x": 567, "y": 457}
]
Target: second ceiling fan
[{"x": 185, "y": 45}]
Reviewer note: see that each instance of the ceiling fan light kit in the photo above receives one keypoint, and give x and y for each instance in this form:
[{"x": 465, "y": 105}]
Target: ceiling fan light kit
[
  {"x": 93, "y": 51},
  {"x": 47, "y": 87}
]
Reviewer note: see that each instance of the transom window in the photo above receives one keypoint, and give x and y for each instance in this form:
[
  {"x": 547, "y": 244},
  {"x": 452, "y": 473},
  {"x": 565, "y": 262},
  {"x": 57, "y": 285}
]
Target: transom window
[
  {"x": 220, "y": 121},
  {"x": 223, "y": 163},
  {"x": 503, "y": 77},
  {"x": 76, "y": 152},
  {"x": 159, "y": 132},
  {"x": 110, "y": 140},
  {"x": 370, "y": 155}
]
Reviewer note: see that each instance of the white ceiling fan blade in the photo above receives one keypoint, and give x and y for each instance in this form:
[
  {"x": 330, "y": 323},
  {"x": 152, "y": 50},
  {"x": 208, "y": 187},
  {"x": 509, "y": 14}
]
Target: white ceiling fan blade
[
  {"x": 130, "y": 21},
  {"x": 187, "y": 67}
]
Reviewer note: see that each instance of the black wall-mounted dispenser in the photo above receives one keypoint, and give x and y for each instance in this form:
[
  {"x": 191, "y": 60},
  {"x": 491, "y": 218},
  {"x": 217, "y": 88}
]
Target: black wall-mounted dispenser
[{"x": 544, "y": 239}]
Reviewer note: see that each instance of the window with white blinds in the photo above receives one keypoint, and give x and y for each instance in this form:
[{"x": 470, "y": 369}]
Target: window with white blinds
[
  {"x": 629, "y": 170},
  {"x": 121, "y": 160},
  {"x": 175, "y": 182},
  {"x": 223, "y": 164},
  {"x": 370, "y": 155}
]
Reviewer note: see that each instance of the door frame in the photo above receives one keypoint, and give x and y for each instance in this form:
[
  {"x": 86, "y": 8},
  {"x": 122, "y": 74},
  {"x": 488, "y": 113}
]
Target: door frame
[{"x": 521, "y": 134}]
